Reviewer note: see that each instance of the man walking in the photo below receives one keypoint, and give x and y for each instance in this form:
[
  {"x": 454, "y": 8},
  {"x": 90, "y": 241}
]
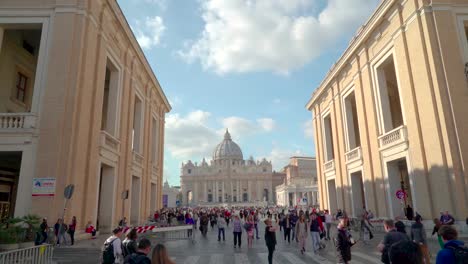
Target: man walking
[
  {"x": 392, "y": 237},
  {"x": 328, "y": 222},
  {"x": 112, "y": 251},
  {"x": 221, "y": 227},
  {"x": 140, "y": 257},
  {"x": 454, "y": 250}
]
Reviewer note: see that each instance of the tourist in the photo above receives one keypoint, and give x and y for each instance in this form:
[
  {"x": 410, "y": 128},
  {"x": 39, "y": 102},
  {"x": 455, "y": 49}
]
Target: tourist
[
  {"x": 129, "y": 245},
  {"x": 140, "y": 256},
  {"x": 447, "y": 219},
  {"x": 249, "y": 227},
  {"x": 195, "y": 219},
  {"x": 189, "y": 221},
  {"x": 71, "y": 230},
  {"x": 90, "y": 230},
  {"x": 221, "y": 227},
  {"x": 315, "y": 228},
  {"x": 237, "y": 231},
  {"x": 212, "y": 220},
  {"x": 204, "y": 224},
  {"x": 112, "y": 250},
  {"x": 364, "y": 226},
  {"x": 270, "y": 239},
  {"x": 343, "y": 242},
  {"x": 301, "y": 233},
  {"x": 339, "y": 214},
  {"x": 405, "y": 252},
  {"x": 123, "y": 222},
  {"x": 44, "y": 229},
  {"x": 400, "y": 226},
  {"x": 418, "y": 236},
  {"x": 451, "y": 244},
  {"x": 409, "y": 213},
  {"x": 293, "y": 219},
  {"x": 435, "y": 230},
  {"x": 227, "y": 217},
  {"x": 60, "y": 230},
  {"x": 328, "y": 223},
  {"x": 392, "y": 237},
  {"x": 256, "y": 224},
  {"x": 287, "y": 228},
  {"x": 160, "y": 256}
]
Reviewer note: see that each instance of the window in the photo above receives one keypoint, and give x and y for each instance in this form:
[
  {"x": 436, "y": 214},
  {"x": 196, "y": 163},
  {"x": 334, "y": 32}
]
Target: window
[
  {"x": 264, "y": 169},
  {"x": 189, "y": 171},
  {"x": 328, "y": 135},
  {"x": 21, "y": 83}
]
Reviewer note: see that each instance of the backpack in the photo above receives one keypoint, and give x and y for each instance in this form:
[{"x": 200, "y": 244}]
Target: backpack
[
  {"x": 135, "y": 258},
  {"x": 108, "y": 252},
  {"x": 460, "y": 253}
]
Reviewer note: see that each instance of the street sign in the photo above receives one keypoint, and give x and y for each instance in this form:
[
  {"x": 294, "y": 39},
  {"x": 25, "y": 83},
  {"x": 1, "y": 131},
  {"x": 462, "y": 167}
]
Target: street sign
[
  {"x": 69, "y": 191},
  {"x": 400, "y": 194}
]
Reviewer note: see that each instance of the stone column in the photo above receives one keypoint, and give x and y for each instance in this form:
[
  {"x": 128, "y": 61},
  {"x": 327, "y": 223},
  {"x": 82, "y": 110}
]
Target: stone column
[
  {"x": 205, "y": 192},
  {"x": 249, "y": 190},
  {"x": 223, "y": 191},
  {"x": 238, "y": 191}
]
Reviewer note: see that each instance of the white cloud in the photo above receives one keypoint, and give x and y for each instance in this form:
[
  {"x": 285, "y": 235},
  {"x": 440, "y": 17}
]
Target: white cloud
[
  {"x": 280, "y": 157},
  {"x": 240, "y": 126},
  {"x": 270, "y": 35},
  {"x": 149, "y": 31},
  {"x": 308, "y": 127},
  {"x": 162, "y": 4},
  {"x": 267, "y": 124}
]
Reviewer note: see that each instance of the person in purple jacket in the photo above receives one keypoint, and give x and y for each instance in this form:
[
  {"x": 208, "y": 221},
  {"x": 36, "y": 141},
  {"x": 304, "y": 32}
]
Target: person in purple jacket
[{"x": 189, "y": 221}]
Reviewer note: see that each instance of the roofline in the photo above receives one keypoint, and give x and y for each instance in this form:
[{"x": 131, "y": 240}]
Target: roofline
[
  {"x": 363, "y": 33},
  {"x": 115, "y": 5},
  {"x": 303, "y": 157}
]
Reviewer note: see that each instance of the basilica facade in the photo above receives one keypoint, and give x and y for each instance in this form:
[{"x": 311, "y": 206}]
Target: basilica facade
[{"x": 228, "y": 178}]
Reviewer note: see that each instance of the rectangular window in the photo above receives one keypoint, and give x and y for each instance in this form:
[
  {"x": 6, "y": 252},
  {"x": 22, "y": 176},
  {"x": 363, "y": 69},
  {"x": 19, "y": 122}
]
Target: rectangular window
[
  {"x": 328, "y": 138},
  {"x": 21, "y": 83},
  {"x": 352, "y": 125}
]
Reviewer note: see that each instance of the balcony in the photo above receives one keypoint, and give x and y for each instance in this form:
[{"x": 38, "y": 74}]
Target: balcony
[
  {"x": 109, "y": 142},
  {"x": 329, "y": 166},
  {"x": 353, "y": 155},
  {"x": 393, "y": 138},
  {"x": 17, "y": 122}
]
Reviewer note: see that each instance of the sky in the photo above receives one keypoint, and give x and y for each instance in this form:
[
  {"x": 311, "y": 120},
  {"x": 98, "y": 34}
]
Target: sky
[{"x": 249, "y": 66}]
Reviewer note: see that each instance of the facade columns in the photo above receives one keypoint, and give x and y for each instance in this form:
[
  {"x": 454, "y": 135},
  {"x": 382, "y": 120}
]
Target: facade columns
[{"x": 223, "y": 193}]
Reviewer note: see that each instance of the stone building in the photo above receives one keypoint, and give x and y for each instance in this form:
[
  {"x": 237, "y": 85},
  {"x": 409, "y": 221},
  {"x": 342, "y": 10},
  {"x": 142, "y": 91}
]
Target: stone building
[
  {"x": 390, "y": 116},
  {"x": 300, "y": 184},
  {"x": 228, "y": 178},
  {"x": 171, "y": 195},
  {"x": 79, "y": 104}
]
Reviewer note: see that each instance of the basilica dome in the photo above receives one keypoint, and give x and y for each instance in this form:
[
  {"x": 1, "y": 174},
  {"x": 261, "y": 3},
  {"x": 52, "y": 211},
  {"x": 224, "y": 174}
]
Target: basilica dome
[{"x": 227, "y": 149}]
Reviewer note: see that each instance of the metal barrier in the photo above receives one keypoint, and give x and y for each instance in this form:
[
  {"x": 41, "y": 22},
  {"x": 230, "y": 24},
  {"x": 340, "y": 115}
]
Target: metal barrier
[
  {"x": 186, "y": 232},
  {"x": 35, "y": 255}
]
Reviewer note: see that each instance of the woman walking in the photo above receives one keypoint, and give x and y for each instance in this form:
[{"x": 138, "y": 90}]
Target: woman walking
[
  {"x": 418, "y": 236},
  {"x": 250, "y": 230},
  {"x": 270, "y": 239},
  {"x": 287, "y": 228},
  {"x": 237, "y": 231},
  {"x": 71, "y": 230},
  {"x": 301, "y": 233},
  {"x": 343, "y": 242},
  {"x": 129, "y": 245}
]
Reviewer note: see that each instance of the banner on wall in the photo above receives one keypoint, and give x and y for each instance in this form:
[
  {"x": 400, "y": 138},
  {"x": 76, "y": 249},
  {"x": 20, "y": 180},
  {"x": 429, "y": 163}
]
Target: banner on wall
[{"x": 43, "y": 187}]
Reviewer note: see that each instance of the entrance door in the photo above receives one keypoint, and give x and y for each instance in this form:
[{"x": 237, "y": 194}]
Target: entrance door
[
  {"x": 358, "y": 193},
  {"x": 398, "y": 179},
  {"x": 106, "y": 199},
  {"x": 10, "y": 165}
]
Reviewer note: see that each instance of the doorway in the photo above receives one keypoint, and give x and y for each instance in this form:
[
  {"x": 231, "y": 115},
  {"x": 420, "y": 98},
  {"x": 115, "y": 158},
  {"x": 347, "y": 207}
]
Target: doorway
[
  {"x": 398, "y": 179},
  {"x": 106, "y": 199},
  {"x": 332, "y": 196},
  {"x": 357, "y": 189},
  {"x": 10, "y": 164}
]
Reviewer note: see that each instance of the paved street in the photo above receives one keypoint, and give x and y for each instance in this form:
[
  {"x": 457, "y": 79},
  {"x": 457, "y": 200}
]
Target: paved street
[{"x": 209, "y": 250}]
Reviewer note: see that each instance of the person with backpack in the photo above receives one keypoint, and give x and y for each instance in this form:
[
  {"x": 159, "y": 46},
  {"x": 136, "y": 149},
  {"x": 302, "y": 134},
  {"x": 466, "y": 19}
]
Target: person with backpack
[
  {"x": 140, "y": 256},
  {"x": 112, "y": 249},
  {"x": 418, "y": 236},
  {"x": 406, "y": 252},
  {"x": 343, "y": 243},
  {"x": 270, "y": 239},
  {"x": 393, "y": 236},
  {"x": 454, "y": 251},
  {"x": 44, "y": 228},
  {"x": 129, "y": 245},
  {"x": 316, "y": 228}
]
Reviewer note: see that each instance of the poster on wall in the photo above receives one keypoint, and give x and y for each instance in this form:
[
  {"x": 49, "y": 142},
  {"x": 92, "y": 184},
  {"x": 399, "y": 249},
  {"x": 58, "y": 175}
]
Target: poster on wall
[
  {"x": 165, "y": 200},
  {"x": 43, "y": 187}
]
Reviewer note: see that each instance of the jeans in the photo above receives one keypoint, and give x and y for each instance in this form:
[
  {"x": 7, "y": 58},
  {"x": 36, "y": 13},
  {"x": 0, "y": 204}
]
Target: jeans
[
  {"x": 237, "y": 238},
  {"x": 61, "y": 238},
  {"x": 44, "y": 237},
  {"x": 293, "y": 232},
  {"x": 287, "y": 234},
  {"x": 328, "y": 230},
  {"x": 256, "y": 232},
  {"x": 270, "y": 254},
  {"x": 315, "y": 240},
  {"x": 220, "y": 230},
  {"x": 72, "y": 236}
]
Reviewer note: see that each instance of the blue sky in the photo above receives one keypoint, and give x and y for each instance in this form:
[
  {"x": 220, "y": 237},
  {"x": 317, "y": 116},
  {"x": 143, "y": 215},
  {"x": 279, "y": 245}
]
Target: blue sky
[{"x": 246, "y": 65}]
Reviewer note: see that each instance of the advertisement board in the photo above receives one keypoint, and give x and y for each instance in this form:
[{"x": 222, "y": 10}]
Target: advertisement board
[{"x": 43, "y": 187}]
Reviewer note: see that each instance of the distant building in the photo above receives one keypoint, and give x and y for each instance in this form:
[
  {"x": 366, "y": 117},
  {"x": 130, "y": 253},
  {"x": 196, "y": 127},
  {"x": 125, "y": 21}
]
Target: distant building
[
  {"x": 390, "y": 117},
  {"x": 79, "y": 104},
  {"x": 300, "y": 184},
  {"x": 171, "y": 196},
  {"x": 228, "y": 179}
]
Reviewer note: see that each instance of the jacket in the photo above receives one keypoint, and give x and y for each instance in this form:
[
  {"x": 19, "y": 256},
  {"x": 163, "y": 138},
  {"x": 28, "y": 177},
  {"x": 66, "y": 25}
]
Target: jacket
[
  {"x": 418, "y": 234},
  {"x": 343, "y": 246},
  {"x": 445, "y": 255},
  {"x": 270, "y": 237}
]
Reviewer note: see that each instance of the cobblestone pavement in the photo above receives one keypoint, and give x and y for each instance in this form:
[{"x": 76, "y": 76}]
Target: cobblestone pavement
[{"x": 209, "y": 250}]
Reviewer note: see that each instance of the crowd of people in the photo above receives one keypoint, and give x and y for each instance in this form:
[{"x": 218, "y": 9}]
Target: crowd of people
[{"x": 397, "y": 246}]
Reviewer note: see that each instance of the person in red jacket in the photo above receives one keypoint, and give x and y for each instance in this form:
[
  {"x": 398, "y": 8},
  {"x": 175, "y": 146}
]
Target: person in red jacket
[{"x": 227, "y": 216}]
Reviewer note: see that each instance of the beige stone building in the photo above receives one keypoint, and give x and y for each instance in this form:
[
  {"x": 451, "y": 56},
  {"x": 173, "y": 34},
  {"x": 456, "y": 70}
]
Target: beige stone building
[
  {"x": 391, "y": 113},
  {"x": 229, "y": 179},
  {"x": 300, "y": 184},
  {"x": 79, "y": 104}
]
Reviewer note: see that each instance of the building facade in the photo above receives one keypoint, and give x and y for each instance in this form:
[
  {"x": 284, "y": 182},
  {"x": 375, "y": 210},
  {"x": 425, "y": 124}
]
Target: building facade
[
  {"x": 171, "y": 196},
  {"x": 390, "y": 116},
  {"x": 228, "y": 179},
  {"x": 79, "y": 104},
  {"x": 300, "y": 184}
]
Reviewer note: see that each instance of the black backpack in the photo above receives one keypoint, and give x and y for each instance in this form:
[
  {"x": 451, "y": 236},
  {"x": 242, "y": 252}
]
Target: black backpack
[
  {"x": 135, "y": 258},
  {"x": 460, "y": 253},
  {"x": 108, "y": 252}
]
